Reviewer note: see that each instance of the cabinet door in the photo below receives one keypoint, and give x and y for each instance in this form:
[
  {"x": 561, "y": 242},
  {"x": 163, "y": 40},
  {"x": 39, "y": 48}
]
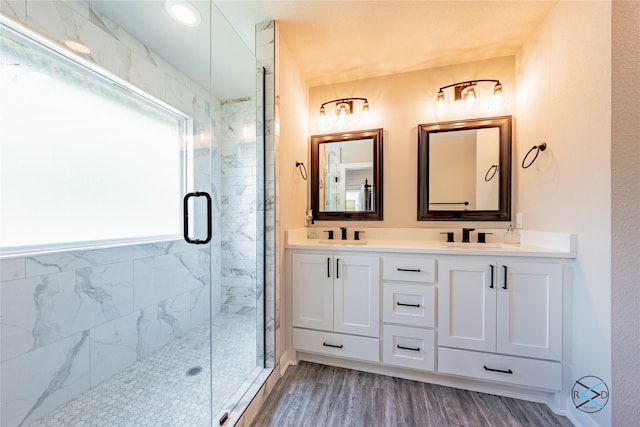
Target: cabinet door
[
  {"x": 357, "y": 295},
  {"x": 312, "y": 276},
  {"x": 467, "y": 305},
  {"x": 529, "y": 314}
]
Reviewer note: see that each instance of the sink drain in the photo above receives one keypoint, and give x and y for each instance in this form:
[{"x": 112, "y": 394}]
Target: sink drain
[{"x": 191, "y": 372}]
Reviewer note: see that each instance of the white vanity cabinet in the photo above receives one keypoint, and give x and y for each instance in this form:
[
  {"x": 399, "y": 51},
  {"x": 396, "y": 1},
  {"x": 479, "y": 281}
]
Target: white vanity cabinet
[
  {"x": 495, "y": 318},
  {"x": 506, "y": 309},
  {"x": 408, "y": 311},
  {"x": 336, "y": 304}
]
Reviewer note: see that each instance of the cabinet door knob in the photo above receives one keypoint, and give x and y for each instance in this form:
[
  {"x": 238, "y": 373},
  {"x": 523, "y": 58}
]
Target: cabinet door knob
[
  {"x": 337, "y": 268},
  {"x": 328, "y": 267}
]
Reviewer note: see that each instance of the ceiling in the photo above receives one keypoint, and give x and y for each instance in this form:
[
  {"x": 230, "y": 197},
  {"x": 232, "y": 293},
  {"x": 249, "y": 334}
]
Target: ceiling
[{"x": 335, "y": 41}]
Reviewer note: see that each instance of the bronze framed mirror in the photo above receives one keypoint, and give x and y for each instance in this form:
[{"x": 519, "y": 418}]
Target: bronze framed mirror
[
  {"x": 346, "y": 175},
  {"x": 464, "y": 170}
]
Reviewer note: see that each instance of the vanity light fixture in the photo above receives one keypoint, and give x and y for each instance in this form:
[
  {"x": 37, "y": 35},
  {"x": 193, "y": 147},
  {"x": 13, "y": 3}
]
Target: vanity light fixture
[
  {"x": 183, "y": 12},
  {"x": 468, "y": 90},
  {"x": 344, "y": 106}
]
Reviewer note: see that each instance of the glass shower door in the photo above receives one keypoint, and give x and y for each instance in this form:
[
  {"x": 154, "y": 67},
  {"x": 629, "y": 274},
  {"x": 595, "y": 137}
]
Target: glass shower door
[
  {"x": 105, "y": 314},
  {"x": 237, "y": 275}
]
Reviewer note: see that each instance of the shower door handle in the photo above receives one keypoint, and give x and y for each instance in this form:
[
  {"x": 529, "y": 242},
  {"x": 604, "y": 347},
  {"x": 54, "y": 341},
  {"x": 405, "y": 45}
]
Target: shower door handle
[{"x": 185, "y": 208}]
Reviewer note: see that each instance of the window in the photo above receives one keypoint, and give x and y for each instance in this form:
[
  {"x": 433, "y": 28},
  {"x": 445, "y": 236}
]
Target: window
[{"x": 84, "y": 159}]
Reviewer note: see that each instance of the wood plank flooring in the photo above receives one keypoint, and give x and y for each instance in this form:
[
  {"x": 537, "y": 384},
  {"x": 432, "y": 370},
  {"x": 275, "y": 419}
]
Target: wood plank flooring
[{"x": 315, "y": 395}]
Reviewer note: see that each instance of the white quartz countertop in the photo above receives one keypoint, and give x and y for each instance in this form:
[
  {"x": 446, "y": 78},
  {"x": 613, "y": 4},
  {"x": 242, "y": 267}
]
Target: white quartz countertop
[{"x": 533, "y": 243}]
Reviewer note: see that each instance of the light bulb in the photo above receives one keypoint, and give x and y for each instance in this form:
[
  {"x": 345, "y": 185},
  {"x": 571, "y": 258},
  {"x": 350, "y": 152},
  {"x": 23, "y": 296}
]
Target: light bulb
[
  {"x": 183, "y": 12},
  {"x": 342, "y": 110}
]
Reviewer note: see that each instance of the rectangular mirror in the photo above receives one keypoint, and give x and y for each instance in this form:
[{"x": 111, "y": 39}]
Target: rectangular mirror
[
  {"x": 346, "y": 175},
  {"x": 464, "y": 170}
]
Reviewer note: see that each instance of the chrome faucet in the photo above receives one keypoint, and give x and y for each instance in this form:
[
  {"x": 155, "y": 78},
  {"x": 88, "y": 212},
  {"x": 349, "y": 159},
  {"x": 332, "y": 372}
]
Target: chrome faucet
[
  {"x": 344, "y": 232},
  {"x": 465, "y": 234}
]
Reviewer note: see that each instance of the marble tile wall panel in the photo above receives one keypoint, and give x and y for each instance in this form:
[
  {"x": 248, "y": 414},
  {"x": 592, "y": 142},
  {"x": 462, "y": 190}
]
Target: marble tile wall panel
[
  {"x": 260, "y": 267},
  {"x": 76, "y": 259},
  {"x": 11, "y": 269},
  {"x": 238, "y": 218},
  {"x": 37, "y": 382},
  {"x": 113, "y": 347},
  {"x": 216, "y": 195},
  {"x": 14, "y": 9},
  {"x": 162, "y": 277},
  {"x": 200, "y": 305},
  {"x": 41, "y": 310},
  {"x": 73, "y": 260},
  {"x": 80, "y": 7},
  {"x": 161, "y": 323}
]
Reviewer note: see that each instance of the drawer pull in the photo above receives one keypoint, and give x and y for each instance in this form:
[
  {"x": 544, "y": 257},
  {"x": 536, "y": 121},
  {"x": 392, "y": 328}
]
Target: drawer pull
[
  {"x": 408, "y": 348},
  {"x": 331, "y": 345},
  {"x": 508, "y": 371},
  {"x": 409, "y": 269},
  {"x": 407, "y": 305}
]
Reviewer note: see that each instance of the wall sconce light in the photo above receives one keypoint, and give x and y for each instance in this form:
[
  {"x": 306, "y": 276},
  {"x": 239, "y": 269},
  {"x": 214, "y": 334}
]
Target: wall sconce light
[
  {"x": 344, "y": 106},
  {"x": 467, "y": 91}
]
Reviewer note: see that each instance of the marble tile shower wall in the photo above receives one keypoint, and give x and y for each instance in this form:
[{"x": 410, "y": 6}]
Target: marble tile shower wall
[
  {"x": 238, "y": 202},
  {"x": 72, "y": 319}
]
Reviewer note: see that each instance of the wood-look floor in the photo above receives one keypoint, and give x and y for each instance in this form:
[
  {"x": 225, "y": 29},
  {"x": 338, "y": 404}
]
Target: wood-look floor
[{"x": 317, "y": 395}]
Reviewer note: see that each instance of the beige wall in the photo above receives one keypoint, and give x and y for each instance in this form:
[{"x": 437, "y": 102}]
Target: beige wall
[
  {"x": 291, "y": 188},
  {"x": 564, "y": 98},
  {"x": 625, "y": 200},
  {"x": 398, "y": 104}
]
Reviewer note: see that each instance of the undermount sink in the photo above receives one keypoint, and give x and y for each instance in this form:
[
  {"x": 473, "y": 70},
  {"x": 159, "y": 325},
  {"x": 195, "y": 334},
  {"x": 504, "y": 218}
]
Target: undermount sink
[
  {"x": 340, "y": 242},
  {"x": 475, "y": 245}
]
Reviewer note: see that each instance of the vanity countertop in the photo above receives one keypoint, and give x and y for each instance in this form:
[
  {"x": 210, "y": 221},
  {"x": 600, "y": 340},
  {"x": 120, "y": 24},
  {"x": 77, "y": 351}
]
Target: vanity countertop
[{"x": 429, "y": 241}]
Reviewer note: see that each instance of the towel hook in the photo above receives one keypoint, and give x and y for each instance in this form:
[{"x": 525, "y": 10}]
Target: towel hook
[
  {"x": 538, "y": 149},
  {"x": 303, "y": 170},
  {"x": 488, "y": 178}
]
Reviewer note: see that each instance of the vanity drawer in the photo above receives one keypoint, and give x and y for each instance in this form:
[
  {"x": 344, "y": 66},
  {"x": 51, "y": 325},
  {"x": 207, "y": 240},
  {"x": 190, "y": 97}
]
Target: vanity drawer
[
  {"x": 409, "y": 268},
  {"x": 408, "y": 304},
  {"x": 332, "y": 344},
  {"x": 527, "y": 372},
  {"x": 408, "y": 347}
]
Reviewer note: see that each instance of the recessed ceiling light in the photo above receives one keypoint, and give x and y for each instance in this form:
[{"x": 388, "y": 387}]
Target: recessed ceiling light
[
  {"x": 183, "y": 12},
  {"x": 77, "y": 47}
]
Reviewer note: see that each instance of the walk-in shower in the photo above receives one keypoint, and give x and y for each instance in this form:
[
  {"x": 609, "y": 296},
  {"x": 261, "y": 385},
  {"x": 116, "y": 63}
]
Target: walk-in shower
[{"x": 132, "y": 224}]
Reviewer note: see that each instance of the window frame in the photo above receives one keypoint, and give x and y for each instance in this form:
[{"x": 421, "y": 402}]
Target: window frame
[{"x": 27, "y": 37}]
